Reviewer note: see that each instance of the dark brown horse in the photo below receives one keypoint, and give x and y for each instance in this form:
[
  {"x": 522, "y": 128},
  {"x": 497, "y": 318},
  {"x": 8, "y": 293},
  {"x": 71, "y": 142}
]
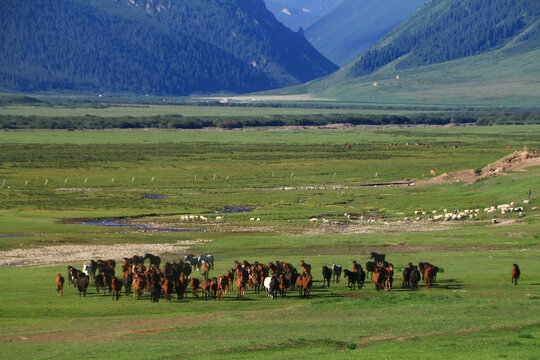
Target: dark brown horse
[{"x": 515, "y": 274}]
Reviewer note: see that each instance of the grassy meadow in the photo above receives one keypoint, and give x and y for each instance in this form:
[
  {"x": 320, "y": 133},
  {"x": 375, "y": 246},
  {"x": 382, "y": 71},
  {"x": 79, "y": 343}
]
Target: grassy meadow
[{"x": 50, "y": 180}]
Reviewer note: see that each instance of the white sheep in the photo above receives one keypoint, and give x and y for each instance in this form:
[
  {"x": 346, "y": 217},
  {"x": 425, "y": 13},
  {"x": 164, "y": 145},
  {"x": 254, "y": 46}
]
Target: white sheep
[
  {"x": 219, "y": 218},
  {"x": 313, "y": 220},
  {"x": 252, "y": 219},
  {"x": 203, "y": 218},
  {"x": 526, "y": 201}
]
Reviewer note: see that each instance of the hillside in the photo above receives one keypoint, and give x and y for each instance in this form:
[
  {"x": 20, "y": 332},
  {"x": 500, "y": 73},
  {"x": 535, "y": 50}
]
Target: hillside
[
  {"x": 355, "y": 25},
  {"x": 147, "y": 46},
  {"x": 297, "y": 14},
  {"x": 475, "y": 53},
  {"x": 445, "y": 30}
]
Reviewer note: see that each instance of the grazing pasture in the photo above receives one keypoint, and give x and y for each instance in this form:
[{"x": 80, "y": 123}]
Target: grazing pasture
[{"x": 54, "y": 184}]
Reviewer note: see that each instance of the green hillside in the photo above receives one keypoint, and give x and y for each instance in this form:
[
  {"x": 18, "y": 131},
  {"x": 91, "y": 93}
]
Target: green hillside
[
  {"x": 155, "y": 47},
  {"x": 492, "y": 58}
]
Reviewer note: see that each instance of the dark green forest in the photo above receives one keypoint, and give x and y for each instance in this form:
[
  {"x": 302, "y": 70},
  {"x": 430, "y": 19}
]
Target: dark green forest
[
  {"x": 170, "y": 47},
  {"x": 447, "y": 30},
  {"x": 476, "y": 116}
]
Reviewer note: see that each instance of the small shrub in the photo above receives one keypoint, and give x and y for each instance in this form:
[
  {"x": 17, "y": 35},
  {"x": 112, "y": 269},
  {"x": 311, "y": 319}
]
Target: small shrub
[
  {"x": 525, "y": 335},
  {"x": 351, "y": 346}
]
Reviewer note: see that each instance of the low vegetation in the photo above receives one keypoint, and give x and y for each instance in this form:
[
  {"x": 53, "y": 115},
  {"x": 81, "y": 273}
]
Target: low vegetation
[{"x": 52, "y": 181}]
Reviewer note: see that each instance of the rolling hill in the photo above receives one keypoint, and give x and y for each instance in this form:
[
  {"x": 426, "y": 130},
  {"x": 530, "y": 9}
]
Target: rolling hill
[
  {"x": 354, "y": 25},
  {"x": 165, "y": 47},
  {"x": 475, "y": 52}
]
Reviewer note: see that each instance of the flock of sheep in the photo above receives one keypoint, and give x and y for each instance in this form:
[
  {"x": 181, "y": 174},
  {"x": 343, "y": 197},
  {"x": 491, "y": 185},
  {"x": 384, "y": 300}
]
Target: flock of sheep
[{"x": 472, "y": 213}]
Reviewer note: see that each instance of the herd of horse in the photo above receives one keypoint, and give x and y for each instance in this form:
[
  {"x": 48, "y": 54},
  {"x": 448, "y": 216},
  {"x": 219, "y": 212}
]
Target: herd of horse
[{"x": 274, "y": 279}]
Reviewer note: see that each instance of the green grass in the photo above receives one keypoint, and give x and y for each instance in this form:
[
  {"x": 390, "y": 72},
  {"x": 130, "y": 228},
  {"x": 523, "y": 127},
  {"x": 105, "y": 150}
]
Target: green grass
[
  {"x": 504, "y": 77},
  {"x": 472, "y": 311},
  {"x": 186, "y": 111}
]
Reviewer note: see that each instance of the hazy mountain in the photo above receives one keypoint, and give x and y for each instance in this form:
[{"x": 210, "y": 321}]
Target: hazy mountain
[
  {"x": 354, "y": 25},
  {"x": 151, "y": 46},
  {"x": 297, "y": 14}
]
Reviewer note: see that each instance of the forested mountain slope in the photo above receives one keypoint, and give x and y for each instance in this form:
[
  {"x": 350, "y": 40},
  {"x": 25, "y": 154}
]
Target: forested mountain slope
[
  {"x": 446, "y": 30},
  {"x": 175, "y": 47}
]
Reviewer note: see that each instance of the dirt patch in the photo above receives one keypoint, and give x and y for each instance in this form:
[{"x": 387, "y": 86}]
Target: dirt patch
[
  {"x": 151, "y": 331},
  {"x": 49, "y": 255},
  {"x": 517, "y": 161}
]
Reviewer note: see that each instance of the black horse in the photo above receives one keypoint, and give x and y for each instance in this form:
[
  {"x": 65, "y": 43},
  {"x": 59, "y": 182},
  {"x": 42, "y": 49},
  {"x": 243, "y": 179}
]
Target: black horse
[
  {"x": 154, "y": 260},
  {"x": 379, "y": 258}
]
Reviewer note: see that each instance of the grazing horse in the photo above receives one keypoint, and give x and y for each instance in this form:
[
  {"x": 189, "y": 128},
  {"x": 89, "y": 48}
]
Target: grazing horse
[
  {"x": 242, "y": 278},
  {"x": 414, "y": 277},
  {"x": 271, "y": 284},
  {"x": 180, "y": 285},
  {"x": 379, "y": 258},
  {"x": 327, "y": 275},
  {"x": 139, "y": 283},
  {"x": 300, "y": 284},
  {"x": 194, "y": 283},
  {"x": 214, "y": 288},
  {"x": 205, "y": 286},
  {"x": 206, "y": 266},
  {"x": 100, "y": 283},
  {"x": 206, "y": 258},
  {"x": 223, "y": 284},
  {"x": 284, "y": 284},
  {"x": 167, "y": 289},
  {"x": 82, "y": 283},
  {"x": 306, "y": 268},
  {"x": 307, "y": 282},
  {"x": 154, "y": 260},
  {"x": 370, "y": 268},
  {"x": 378, "y": 277},
  {"x": 256, "y": 281},
  {"x": 405, "y": 281},
  {"x": 388, "y": 276},
  {"x": 430, "y": 272},
  {"x": 59, "y": 284},
  {"x": 336, "y": 272},
  {"x": 155, "y": 291},
  {"x": 127, "y": 278},
  {"x": 193, "y": 261},
  {"x": 515, "y": 274},
  {"x": 352, "y": 278},
  {"x": 116, "y": 288}
]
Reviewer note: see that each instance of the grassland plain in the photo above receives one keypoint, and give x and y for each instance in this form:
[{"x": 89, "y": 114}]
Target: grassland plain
[{"x": 49, "y": 178}]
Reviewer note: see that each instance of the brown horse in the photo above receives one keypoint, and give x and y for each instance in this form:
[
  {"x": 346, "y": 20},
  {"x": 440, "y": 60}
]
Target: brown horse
[
  {"x": 283, "y": 285},
  {"x": 116, "y": 285},
  {"x": 206, "y": 267},
  {"x": 307, "y": 282},
  {"x": 306, "y": 268},
  {"x": 515, "y": 274},
  {"x": 167, "y": 289},
  {"x": 194, "y": 283},
  {"x": 59, "y": 284}
]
